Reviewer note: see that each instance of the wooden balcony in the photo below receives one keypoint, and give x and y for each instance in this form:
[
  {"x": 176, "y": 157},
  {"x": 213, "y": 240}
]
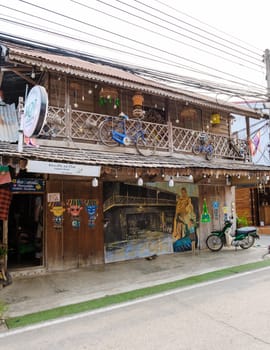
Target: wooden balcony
[
  {"x": 118, "y": 201},
  {"x": 83, "y": 127}
]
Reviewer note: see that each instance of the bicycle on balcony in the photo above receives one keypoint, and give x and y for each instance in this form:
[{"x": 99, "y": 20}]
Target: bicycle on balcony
[
  {"x": 203, "y": 147},
  {"x": 113, "y": 131}
]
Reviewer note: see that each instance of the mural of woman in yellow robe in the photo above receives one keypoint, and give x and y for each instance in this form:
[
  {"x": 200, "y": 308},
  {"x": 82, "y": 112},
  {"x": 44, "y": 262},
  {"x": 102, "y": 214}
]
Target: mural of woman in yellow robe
[{"x": 183, "y": 213}]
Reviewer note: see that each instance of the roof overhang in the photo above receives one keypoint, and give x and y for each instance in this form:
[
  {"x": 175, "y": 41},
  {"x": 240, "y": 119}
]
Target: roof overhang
[
  {"x": 121, "y": 78},
  {"x": 117, "y": 159}
]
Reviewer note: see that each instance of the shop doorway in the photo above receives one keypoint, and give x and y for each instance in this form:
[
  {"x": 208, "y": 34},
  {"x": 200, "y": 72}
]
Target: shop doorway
[{"x": 25, "y": 231}]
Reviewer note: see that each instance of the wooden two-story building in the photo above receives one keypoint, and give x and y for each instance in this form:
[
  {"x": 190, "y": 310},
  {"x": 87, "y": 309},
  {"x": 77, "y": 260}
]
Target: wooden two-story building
[{"x": 79, "y": 200}]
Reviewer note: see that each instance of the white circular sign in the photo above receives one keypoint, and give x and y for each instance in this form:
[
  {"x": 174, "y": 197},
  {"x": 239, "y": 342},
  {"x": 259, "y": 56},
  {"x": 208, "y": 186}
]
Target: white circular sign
[{"x": 35, "y": 111}]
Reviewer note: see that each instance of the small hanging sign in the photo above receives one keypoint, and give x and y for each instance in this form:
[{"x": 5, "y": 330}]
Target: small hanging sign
[
  {"x": 27, "y": 185},
  {"x": 53, "y": 197},
  {"x": 91, "y": 207},
  {"x": 215, "y": 205},
  {"x": 74, "y": 208},
  {"x": 58, "y": 210}
]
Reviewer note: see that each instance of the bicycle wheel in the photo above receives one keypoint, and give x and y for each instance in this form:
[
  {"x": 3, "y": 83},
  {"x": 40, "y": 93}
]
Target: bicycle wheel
[
  {"x": 145, "y": 146},
  {"x": 209, "y": 155},
  {"x": 247, "y": 242},
  {"x": 196, "y": 149},
  {"x": 105, "y": 133},
  {"x": 209, "y": 152},
  {"x": 214, "y": 243}
]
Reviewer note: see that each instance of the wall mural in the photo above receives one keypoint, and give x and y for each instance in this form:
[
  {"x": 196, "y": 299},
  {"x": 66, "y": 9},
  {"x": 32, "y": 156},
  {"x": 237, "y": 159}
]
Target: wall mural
[
  {"x": 185, "y": 223},
  {"x": 141, "y": 221}
]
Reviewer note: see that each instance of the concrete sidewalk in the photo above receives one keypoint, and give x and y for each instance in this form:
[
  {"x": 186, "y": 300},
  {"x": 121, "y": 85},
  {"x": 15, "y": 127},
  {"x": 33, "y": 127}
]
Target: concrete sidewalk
[{"x": 30, "y": 294}]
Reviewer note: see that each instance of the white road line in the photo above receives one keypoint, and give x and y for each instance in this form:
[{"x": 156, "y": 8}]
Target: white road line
[{"x": 125, "y": 304}]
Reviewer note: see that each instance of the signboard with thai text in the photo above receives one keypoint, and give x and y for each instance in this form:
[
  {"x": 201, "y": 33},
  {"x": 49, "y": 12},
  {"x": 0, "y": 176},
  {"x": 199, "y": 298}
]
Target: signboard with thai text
[
  {"x": 27, "y": 185},
  {"x": 36, "y": 166}
]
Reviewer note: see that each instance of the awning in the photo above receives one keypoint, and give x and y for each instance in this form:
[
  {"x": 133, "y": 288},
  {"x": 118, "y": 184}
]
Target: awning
[
  {"x": 120, "y": 159},
  {"x": 9, "y": 125}
]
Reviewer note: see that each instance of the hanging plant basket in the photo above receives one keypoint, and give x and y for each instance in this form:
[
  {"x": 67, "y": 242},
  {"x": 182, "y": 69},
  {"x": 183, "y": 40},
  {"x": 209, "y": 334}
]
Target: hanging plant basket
[{"x": 3, "y": 251}]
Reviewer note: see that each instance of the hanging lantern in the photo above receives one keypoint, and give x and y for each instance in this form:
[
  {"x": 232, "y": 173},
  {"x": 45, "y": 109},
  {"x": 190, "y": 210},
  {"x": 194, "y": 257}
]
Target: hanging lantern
[
  {"x": 94, "y": 182},
  {"x": 108, "y": 95},
  {"x": 188, "y": 112},
  {"x": 137, "y": 100},
  {"x": 108, "y": 92},
  {"x": 215, "y": 118}
]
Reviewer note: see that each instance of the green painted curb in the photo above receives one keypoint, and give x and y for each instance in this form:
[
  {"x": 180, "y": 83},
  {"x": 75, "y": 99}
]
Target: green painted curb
[{"x": 41, "y": 316}]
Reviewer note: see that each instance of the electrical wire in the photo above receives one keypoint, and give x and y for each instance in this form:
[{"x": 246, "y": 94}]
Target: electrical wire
[
  {"x": 48, "y": 31},
  {"x": 111, "y": 48},
  {"x": 160, "y": 34},
  {"x": 124, "y": 52},
  {"x": 124, "y": 37},
  {"x": 212, "y": 27},
  {"x": 197, "y": 28},
  {"x": 155, "y": 74},
  {"x": 177, "y": 26}
]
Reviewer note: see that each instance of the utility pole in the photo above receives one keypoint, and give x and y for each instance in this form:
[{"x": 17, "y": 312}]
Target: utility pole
[{"x": 267, "y": 66}]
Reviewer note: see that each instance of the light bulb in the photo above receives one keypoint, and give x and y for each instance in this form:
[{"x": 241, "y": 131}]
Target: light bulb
[
  {"x": 94, "y": 182},
  {"x": 140, "y": 181},
  {"x": 171, "y": 182}
]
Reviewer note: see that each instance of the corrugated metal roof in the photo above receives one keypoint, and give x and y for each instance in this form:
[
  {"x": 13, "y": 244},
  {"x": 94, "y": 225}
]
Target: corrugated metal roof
[
  {"x": 93, "y": 157},
  {"x": 124, "y": 79},
  {"x": 9, "y": 126}
]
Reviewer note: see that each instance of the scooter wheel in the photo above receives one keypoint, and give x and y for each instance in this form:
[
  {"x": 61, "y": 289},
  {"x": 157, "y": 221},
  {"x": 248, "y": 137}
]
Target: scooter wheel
[
  {"x": 247, "y": 242},
  {"x": 214, "y": 243}
]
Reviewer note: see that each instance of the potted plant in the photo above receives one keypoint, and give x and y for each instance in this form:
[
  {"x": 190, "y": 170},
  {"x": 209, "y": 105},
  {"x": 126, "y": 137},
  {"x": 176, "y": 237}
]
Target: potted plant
[
  {"x": 3, "y": 252},
  {"x": 242, "y": 221}
]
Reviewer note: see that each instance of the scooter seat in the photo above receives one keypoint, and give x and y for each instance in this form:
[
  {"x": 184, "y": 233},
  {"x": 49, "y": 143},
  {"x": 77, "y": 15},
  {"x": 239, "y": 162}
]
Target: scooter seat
[{"x": 246, "y": 229}]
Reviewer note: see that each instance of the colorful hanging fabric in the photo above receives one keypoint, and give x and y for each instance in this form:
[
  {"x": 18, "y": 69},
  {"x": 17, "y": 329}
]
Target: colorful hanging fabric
[
  {"x": 4, "y": 174},
  {"x": 5, "y": 200},
  {"x": 254, "y": 143}
]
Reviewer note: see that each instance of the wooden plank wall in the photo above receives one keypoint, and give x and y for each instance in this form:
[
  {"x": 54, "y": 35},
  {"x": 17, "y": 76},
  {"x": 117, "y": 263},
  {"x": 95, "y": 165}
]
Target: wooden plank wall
[
  {"x": 70, "y": 247},
  {"x": 243, "y": 204}
]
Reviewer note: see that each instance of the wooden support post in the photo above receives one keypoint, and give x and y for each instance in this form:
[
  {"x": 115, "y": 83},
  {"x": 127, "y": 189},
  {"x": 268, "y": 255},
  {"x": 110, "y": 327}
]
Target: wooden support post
[
  {"x": 170, "y": 135},
  {"x": 5, "y": 239}
]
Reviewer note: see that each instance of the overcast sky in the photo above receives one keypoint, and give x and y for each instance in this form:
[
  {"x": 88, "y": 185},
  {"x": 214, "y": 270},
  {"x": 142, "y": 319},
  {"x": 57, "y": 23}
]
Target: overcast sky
[{"x": 207, "y": 40}]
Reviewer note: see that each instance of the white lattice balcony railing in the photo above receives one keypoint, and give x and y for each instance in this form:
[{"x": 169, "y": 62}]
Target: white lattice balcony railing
[
  {"x": 84, "y": 127},
  {"x": 56, "y": 125}
]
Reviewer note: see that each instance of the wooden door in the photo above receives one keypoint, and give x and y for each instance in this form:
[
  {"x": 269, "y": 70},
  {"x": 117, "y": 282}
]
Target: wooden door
[{"x": 80, "y": 244}]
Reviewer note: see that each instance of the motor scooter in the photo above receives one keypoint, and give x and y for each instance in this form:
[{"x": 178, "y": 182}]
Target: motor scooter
[{"x": 243, "y": 237}]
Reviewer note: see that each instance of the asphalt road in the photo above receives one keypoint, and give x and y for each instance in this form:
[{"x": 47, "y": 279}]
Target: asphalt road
[{"x": 230, "y": 314}]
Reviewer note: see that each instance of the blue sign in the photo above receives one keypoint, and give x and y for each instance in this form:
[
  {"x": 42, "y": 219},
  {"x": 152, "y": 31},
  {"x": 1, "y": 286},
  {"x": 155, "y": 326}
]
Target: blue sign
[{"x": 27, "y": 185}]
